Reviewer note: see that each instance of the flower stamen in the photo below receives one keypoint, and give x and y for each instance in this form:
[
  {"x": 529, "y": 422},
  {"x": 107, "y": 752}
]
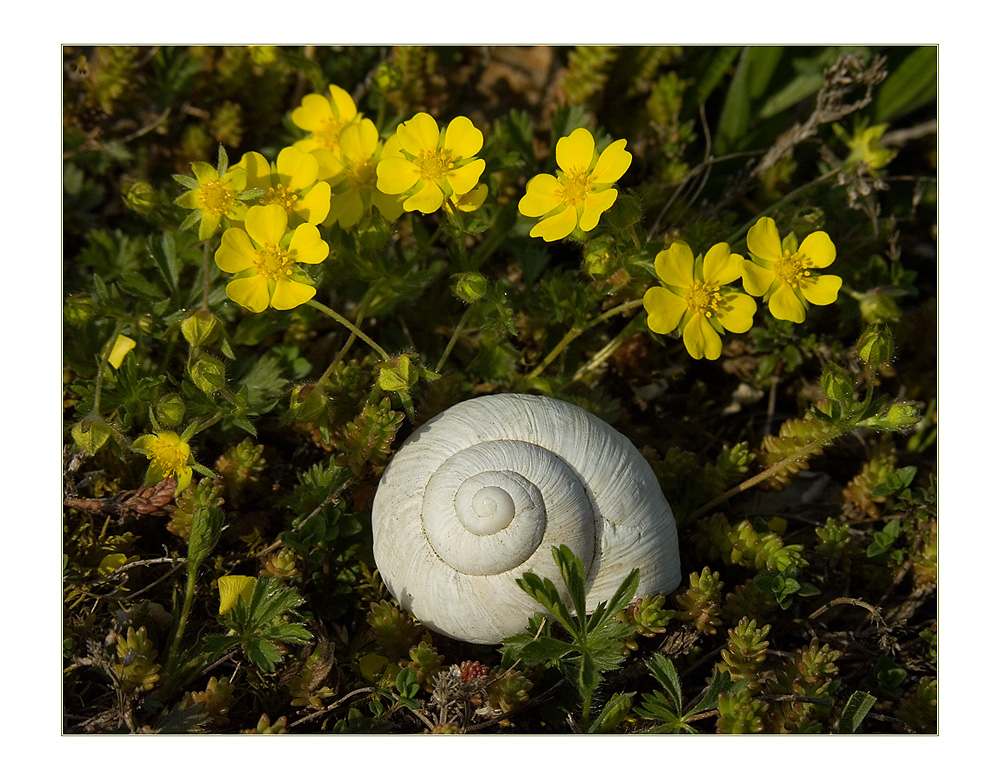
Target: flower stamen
[
  {"x": 168, "y": 457},
  {"x": 279, "y": 194},
  {"x": 574, "y": 187},
  {"x": 215, "y": 198},
  {"x": 703, "y": 298},
  {"x": 273, "y": 262},
  {"x": 791, "y": 269},
  {"x": 435, "y": 165}
]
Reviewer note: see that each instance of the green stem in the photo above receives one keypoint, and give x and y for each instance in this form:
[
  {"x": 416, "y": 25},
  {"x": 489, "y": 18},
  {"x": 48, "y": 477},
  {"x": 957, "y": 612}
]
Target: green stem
[
  {"x": 350, "y": 339},
  {"x": 105, "y": 356},
  {"x": 742, "y": 231},
  {"x": 206, "y": 271},
  {"x": 175, "y": 644},
  {"x": 799, "y": 454},
  {"x": 576, "y": 331},
  {"x": 453, "y": 341},
  {"x": 607, "y": 350},
  {"x": 349, "y": 325}
]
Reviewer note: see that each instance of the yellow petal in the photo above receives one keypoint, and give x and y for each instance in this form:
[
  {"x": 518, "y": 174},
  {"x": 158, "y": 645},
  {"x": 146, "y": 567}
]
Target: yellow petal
[
  {"x": 204, "y": 172},
  {"x": 419, "y": 134},
  {"x": 471, "y": 200},
  {"x": 821, "y": 290},
  {"x": 675, "y": 265},
  {"x": 231, "y": 587},
  {"x": 463, "y": 138},
  {"x": 266, "y": 224},
  {"x": 612, "y": 164},
  {"x": 594, "y": 205},
  {"x": 466, "y": 177},
  {"x": 785, "y": 305},
  {"x": 123, "y": 345},
  {"x": 426, "y": 199},
  {"x": 296, "y": 169},
  {"x": 258, "y": 170},
  {"x": 359, "y": 140},
  {"x": 329, "y": 165},
  {"x": 664, "y": 309},
  {"x": 540, "y": 196},
  {"x": 556, "y": 227},
  {"x": 736, "y": 311},
  {"x": 315, "y": 204},
  {"x": 250, "y": 292},
  {"x": 396, "y": 175},
  {"x": 288, "y": 294},
  {"x": 763, "y": 240},
  {"x": 721, "y": 266},
  {"x": 342, "y": 103},
  {"x": 757, "y": 280},
  {"x": 236, "y": 253},
  {"x": 575, "y": 152},
  {"x": 306, "y": 246},
  {"x": 312, "y": 113},
  {"x": 818, "y": 250},
  {"x": 391, "y": 206},
  {"x": 701, "y": 339}
]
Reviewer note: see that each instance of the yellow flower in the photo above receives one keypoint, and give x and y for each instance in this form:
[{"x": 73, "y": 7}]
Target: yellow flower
[
  {"x": 471, "y": 200},
  {"x": 264, "y": 257},
  {"x": 291, "y": 183},
  {"x": 429, "y": 165},
  {"x": 354, "y": 177},
  {"x": 123, "y": 345},
  {"x": 580, "y": 192},
  {"x": 231, "y": 587},
  {"x": 168, "y": 456},
  {"x": 695, "y": 300},
  {"x": 213, "y": 195},
  {"x": 783, "y": 272},
  {"x": 324, "y": 118}
]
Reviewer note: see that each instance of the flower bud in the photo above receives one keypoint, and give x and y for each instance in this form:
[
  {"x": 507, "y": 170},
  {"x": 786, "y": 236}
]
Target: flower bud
[
  {"x": 470, "y": 287},
  {"x": 307, "y": 403},
  {"x": 169, "y": 411},
  {"x": 876, "y": 346},
  {"x": 90, "y": 434},
  {"x": 902, "y": 416},
  {"x": 397, "y": 374},
  {"x": 140, "y": 197},
  {"x": 837, "y": 383},
  {"x": 207, "y": 373},
  {"x": 200, "y": 329},
  {"x": 79, "y": 309}
]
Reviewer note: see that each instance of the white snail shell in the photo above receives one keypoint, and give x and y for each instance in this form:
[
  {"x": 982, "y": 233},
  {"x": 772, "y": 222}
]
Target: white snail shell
[{"x": 481, "y": 493}]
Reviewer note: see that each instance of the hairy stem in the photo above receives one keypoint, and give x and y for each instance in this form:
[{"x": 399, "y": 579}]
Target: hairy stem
[{"x": 349, "y": 325}]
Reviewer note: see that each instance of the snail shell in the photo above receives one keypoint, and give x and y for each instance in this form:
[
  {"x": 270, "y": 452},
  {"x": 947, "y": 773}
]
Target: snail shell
[{"x": 481, "y": 493}]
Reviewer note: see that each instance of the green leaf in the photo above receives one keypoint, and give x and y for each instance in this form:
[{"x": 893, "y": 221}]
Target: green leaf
[
  {"x": 571, "y": 569},
  {"x": 721, "y": 683},
  {"x": 614, "y": 712},
  {"x": 714, "y": 72},
  {"x": 665, "y": 673},
  {"x": 262, "y": 653},
  {"x": 910, "y": 86},
  {"x": 753, "y": 74},
  {"x": 545, "y": 593},
  {"x": 622, "y": 598},
  {"x": 884, "y": 539},
  {"x": 544, "y": 650},
  {"x": 854, "y": 711},
  {"x": 206, "y": 528}
]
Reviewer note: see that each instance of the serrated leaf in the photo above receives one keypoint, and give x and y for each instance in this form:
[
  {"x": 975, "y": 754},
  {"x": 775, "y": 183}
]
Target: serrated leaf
[
  {"x": 665, "y": 673},
  {"x": 544, "y": 650},
  {"x": 571, "y": 569},
  {"x": 721, "y": 683}
]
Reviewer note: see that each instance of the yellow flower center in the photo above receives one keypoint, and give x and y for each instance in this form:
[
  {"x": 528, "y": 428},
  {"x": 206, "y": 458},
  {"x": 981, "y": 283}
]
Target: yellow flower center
[
  {"x": 169, "y": 456},
  {"x": 273, "y": 262},
  {"x": 328, "y": 135},
  {"x": 435, "y": 165},
  {"x": 703, "y": 298},
  {"x": 278, "y": 194},
  {"x": 215, "y": 197},
  {"x": 574, "y": 186},
  {"x": 791, "y": 269}
]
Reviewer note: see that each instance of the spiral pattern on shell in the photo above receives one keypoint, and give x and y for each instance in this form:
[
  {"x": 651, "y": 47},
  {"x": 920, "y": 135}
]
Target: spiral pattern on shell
[{"x": 481, "y": 493}]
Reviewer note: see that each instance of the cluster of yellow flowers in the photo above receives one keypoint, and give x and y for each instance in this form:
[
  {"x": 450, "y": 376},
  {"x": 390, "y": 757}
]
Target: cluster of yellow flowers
[
  {"x": 342, "y": 170},
  {"x": 695, "y": 299}
]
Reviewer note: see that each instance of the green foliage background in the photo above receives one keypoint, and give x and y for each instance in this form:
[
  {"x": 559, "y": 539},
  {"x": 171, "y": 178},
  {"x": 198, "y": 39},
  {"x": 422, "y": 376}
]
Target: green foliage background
[{"x": 810, "y": 603}]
